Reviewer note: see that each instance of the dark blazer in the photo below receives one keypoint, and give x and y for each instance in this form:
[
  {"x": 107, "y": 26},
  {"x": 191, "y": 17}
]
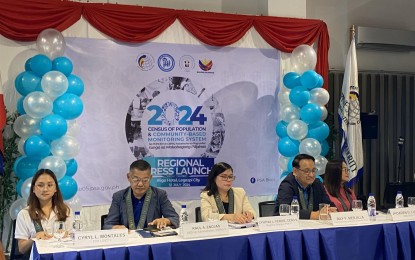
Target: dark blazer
[
  {"x": 160, "y": 206},
  {"x": 289, "y": 188}
]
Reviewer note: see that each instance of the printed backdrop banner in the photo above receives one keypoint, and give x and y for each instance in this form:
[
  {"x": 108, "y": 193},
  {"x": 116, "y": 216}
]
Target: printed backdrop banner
[{"x": 182, "y": 108}]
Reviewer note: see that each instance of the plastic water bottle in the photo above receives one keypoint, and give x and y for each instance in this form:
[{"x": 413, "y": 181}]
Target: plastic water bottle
[
  {"x": 184, "y": 216},
  {"x": 371, "y": 207},
  {"x": 399, "y": 200},
  {"x": 295, "y": 207},
  {"x": 77, "y": 224}
]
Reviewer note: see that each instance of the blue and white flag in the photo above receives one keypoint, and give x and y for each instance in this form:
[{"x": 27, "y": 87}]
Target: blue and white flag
[{"x": 349, "y": 118}]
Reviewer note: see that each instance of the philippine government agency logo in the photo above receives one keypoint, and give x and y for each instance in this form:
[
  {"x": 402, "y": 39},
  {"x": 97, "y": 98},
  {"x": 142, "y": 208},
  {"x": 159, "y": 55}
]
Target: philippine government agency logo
[
  {"x": 205, "y": 64},
  {"x": 145, "y": 61},
  {"x": 187, "y": 63},
  {"x": 166, "y": 62},
  {"x": 253, "y": 180}
]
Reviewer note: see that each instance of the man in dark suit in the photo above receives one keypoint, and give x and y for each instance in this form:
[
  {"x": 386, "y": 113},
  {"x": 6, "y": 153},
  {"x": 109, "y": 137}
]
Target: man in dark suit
[
  {"x": 140, "y": 204},
  {"x": 302, "y": 183}
]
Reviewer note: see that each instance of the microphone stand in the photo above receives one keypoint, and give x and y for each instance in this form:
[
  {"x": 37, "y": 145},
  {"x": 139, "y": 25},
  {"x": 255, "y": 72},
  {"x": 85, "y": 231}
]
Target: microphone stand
[{"x": 401, "y": 141}]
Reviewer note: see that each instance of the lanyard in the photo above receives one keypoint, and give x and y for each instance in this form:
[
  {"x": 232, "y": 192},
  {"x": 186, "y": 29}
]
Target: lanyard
[
  {"x": 144, "y": 210},
  {"x": 219, "y": 202},
  {"x": 310, "y": 199},
  {"x": 348, "y": 199}
]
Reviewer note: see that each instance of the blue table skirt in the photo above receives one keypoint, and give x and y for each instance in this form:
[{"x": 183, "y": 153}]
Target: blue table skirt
[{"x": 383, "y": 241}]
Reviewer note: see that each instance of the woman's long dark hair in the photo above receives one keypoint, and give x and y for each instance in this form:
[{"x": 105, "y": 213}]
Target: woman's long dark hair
[
  {"x": 61, "y": 209},
  {"x": 217, "y": 169},
  {"x": 333, "y": 177}
]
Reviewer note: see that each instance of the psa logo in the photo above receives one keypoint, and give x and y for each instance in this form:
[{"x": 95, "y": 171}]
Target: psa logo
[
  {"x": 205, "y": 65},
  {"x": 145, "y": 61},
  {"x": 166, "y": 62}
]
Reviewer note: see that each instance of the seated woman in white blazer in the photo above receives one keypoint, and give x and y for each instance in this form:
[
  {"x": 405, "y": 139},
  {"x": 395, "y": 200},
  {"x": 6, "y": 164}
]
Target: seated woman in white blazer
[{"x": 218, "y": 196}]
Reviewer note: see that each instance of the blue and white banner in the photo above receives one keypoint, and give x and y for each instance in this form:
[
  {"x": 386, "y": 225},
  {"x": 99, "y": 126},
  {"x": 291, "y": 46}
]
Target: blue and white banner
[
  {"x": 349, "y": 117},
  {"x": 180, "y": 107}
]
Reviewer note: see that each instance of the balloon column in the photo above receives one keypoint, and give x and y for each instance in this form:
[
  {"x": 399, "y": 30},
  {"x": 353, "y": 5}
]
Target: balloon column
[
  {"x": 302, "y": 101},
  {"x": 49, "y": 104}
]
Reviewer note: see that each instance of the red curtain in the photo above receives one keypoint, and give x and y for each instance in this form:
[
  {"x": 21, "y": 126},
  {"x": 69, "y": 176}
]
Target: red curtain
[{"x": 23, "y": 20}]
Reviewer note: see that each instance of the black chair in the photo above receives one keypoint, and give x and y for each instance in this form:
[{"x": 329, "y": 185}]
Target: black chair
[
  {"x": 266, "y": 208},
  {"x": 14, "y": 251},
  {"x": 103, "y": 217},
  {"x": 198, "y": 214}
]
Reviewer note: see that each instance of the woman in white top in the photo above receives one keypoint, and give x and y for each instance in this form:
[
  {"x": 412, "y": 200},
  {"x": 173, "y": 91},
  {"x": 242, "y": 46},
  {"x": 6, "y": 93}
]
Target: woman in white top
[
  {"x": 219, "y": 196},
  {"x": 45, "y": 206}
]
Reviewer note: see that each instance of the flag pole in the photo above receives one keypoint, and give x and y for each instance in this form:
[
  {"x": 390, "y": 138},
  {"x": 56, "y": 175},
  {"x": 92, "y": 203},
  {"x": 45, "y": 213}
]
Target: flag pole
[{"x": 352, "y": 33}]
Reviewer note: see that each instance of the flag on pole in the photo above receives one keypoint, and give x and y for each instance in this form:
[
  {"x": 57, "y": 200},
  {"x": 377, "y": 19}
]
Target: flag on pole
[
  {"x": 2, "y": 125},
  {"x": 349, "y": 118}
]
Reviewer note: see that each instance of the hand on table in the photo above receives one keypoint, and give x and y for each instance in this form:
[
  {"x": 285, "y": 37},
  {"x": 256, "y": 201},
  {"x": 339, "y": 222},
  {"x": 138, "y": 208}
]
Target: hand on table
[
  {"x": 160, "y": 222},
  {"x": 42, "y": 235}
]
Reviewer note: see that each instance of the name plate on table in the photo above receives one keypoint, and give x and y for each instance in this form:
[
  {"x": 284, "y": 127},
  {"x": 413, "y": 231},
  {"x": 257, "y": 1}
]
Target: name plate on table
[
  {"x": 101, "y": 237},
  {"x": 278, "y": 223},
  {"x": 204, "y": 229},
  {"x": 402, "y": 214},
  {"x": 350, "y": 218}
]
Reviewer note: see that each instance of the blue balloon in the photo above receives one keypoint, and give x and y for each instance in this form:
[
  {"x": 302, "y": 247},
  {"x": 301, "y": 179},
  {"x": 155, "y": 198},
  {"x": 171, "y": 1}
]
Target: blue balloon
[
  {"x": 53, "y": 127},
  {"x": 75, "y": 85},
  {"x": 29, "y": 83},
  {"x": 288, "y": 147},
  {"x": 19, "y": 187},
  {"x": 324, "y": 148},
  {"x": 68, "y": 187},
  {"x": 281, "y": 129},
  {"x": 36, "y": 147},
  {"x": 63, "y": 65},
  {"x": 320, "y": 81},
  {"x": 284, "y": 174},
  {"x": 25, "y": 167},
  {"x": 291, "y": 80},
  {"x": 319, "y": 131},
  {"x": 19, "y": 105},
  {"x": 310, "y": 113},
  {"x": 309, "y": 79},
  {"x": 299, "y": 96},
  {"x": 71, "y": 167},
  {"x": 27, "y": 65},
  {"x": 319, "y": 178},
  {"x": 40, "y": 64},
  {"x": 18, "y": 82},
  {"x": 69, "y": 106}
]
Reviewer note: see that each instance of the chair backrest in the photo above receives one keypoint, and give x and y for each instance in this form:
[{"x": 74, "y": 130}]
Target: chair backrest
[
  {"x": 198, "y": 214},
  {"x": 266, "y": 208},
  {"x": 103, "y": 217},
  {"x": 14, "y": 251}
]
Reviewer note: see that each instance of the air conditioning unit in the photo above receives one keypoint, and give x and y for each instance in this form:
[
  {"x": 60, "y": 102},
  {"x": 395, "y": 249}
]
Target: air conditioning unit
[{"x": 385, "y": 39}]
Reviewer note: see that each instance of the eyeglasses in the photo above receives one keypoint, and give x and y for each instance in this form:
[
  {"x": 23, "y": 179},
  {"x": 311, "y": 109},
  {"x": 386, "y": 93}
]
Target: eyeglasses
[
  {"x": 344, "y": 169},
  {"x": 41, "y": 186},
  {"x": 137, "y": 180},
  {"x": 308, "y": 171},
  {"x": 227, "y": 178}
]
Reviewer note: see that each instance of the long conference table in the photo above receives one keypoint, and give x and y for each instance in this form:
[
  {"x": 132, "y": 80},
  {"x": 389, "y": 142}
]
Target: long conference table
[{"x": 381, "y": 239}]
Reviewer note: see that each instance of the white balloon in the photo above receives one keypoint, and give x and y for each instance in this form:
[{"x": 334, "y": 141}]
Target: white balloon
[
  {"x": 55, "y": 164},
  {"x": 284, "y": 97},
  {"x": 25, "y": 189},
  {"x": 16, "y": 206},
  {"x": 320, "y": 163},
  {"x": 25, "y": 126},
  {"x": 54, "y": 84},
  {"x": 303, "y": 58},
  {"x": 297, "y": 129},
  {"x": 37, "y": 104},
  {"x": 51, "y": 43},
  {"x": 73, "y": 128},
  {"x": 324, "y": 113},
  {"x": 310, "y": 146},
  {"x": 66, "y": 147},
  {"x": 320, "y": 96},
  {"x": 20, "y": 145},
  {"x": 289, "y": 113},
  {"x": 283, "y": 161},
  {"x": 74, "y": 203}
]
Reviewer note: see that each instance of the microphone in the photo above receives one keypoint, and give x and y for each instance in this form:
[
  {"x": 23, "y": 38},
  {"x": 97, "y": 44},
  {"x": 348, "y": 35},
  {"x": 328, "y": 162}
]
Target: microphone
[{"x": 401, "y": 140}]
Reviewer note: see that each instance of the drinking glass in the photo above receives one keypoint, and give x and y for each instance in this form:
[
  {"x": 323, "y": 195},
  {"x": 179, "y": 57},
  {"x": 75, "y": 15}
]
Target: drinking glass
[
  {"x": 213, "y": 215},
  {"x": 284, "y": 210},
  {"x": 59, "y": 232},
  {"x": 324, "y": 211},
  {"x": 411, "y": 201},
  {"x": 357, "y": 205}
]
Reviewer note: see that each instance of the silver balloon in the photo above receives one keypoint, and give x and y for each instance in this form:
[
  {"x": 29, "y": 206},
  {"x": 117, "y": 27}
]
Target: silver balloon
[
  {"x": 55, "y": 164},
  {"x": 73, "y": 128},
  {"x": 37, "y": 104},
  {"x": 289, "y": 113},
  {"x": 51, "y": 43},
  {"x": 16, "y": 206},
  {"x": 284, "y": 96},
  {"x": 320, "y": 163},
  {"x": 54, "y": 84},
  {"x": 283, "y": 162},
  {"x": 66, "y": 147},
  {"x": 324, "y": 113},
  {"x": 310, "y": 146},
  {"x": 25, "y": 189},
  {"x": 297, "y": 129},
  {"x": 74, "y": 203},
  {"x": 20, "y": 146},
  {"x": 303, "y": 58},
  {"x": 25, "y": 126},
  {"x": 320, "y": 96}
]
